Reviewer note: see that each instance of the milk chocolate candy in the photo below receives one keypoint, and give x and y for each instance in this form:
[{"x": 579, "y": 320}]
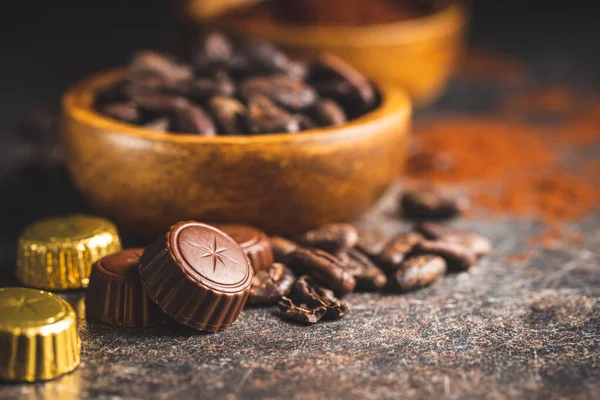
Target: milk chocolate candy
[
  {"x": 198, "y": 275},
  {"x": 254, "y": 242},
  {"x": 115, "y": 295}
]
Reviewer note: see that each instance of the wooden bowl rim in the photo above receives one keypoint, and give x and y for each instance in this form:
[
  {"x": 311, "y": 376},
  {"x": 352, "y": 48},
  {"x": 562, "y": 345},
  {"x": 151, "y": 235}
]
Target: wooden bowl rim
[
  {"x": 77, "y": 104},
  {"x": 447, "y": 20}
]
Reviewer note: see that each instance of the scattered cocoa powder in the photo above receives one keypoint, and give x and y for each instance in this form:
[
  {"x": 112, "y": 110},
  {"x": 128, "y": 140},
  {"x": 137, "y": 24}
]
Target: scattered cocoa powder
[
  {"x": 517, "y": 258},
  {"x": 559, "y": 100},
  {"x": 552, "y": 196},
  {"x": 510, "y": 164},
  {"x": 511, "y": 168},
  {"x": 583, "y": 127},
  {"x": 575, "y": 238},
  {"x": 592, "y": 168},
  {"x": 491, "y": 66},
  {"x": 463, "y": 149}
]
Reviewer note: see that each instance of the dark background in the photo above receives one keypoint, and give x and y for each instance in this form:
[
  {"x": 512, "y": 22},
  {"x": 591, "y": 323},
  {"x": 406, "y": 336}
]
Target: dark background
[{"x": 49, "y": 44}]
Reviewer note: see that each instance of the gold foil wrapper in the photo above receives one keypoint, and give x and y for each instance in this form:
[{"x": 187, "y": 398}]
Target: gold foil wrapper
[
  {"x": 58, "y": 253},
  {"x": 38, "y": 335}
]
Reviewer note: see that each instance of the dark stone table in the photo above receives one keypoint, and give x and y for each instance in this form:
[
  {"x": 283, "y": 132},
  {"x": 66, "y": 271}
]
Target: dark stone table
[{"x": 521, "y": 330}]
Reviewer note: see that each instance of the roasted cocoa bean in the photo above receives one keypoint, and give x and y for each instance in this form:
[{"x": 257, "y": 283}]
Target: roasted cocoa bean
[
  {"x": 457, "y": 257},
  {"x": 193, "y": 119},
  {"x": 306, "y": 122},
  {"x": 418, "y": 271},
  {"x": 430, "y": 202},
  {"x": 478, "y": 243},
  {"x": 125, "y": 112},
  {"x": 264, "y": 116},
  {"x": 330, "y": 66},
  {"x": 159, "y": 102},
  {"x": 331, "y": 237},
  {"x": 161, "y": 124},
  {"x": 301, "y": 312},
  {"x": 367, "y": 275},
  {"x": 147, "y": 61},
  {"x": 284, "y": 90},
  {"x": 307, "y": 291},
  {"x": 229, "y": 114},
  {"x": 201, "y": 89},
  {"x": 282, "y": 249},
  {"x": 212, "y": 48},
  {"x": 397, "y": 249},
  {"x": 431, "y": 230},
  {"x": 265, "y": 56},
  {"x": 371, "y": 240},
  {"x": 326, "y": 112},
  {"x": 270, "y": 285},
  {"x": 322, "y": 266}
]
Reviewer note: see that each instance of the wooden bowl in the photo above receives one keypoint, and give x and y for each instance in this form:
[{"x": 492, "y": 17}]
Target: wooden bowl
[
  {"x": 281, "y": 183},
  {"x": 419, "y": 54}
]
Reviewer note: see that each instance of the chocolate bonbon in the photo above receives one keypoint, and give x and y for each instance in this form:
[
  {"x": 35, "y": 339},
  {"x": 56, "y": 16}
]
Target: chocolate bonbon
[
  {"x": 38, "y": 335},
  {"x": 115, "y": 295},
  {"x": 198, "y": 275},
  {"x": 58, "y": 253},
  {"x": 254, "y": 242}
]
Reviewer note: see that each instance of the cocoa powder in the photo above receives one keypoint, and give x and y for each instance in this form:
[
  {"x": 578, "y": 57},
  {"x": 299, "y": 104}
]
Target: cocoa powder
[{"x": 516, "y": 167}]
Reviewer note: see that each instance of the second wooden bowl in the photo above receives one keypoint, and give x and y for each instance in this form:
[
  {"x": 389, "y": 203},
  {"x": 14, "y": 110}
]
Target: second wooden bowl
[
  {"x": 419, "y": 54},
  {"x": 281, "y": 183}
]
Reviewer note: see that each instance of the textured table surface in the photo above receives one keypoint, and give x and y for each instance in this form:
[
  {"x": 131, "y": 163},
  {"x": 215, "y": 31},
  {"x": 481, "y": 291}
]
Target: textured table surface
[{"x": 529, "y": 329}]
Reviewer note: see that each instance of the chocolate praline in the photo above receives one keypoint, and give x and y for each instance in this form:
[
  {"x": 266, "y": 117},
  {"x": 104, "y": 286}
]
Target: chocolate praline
[
  {"x": 198, "y": 275},
  {"x": 115, "y": 295}
]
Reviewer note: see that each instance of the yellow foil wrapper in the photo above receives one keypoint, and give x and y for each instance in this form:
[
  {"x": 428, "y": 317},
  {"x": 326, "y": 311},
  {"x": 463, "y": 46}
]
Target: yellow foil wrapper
[
  {"x": 58, "y": 253},
  {"x": 38, "y": 335}
]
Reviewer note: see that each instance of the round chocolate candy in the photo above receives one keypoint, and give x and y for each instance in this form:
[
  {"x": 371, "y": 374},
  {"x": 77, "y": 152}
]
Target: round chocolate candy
[
  {"x": 254, "y": 242},
  {"x": 115, "y": 295},
  {"x": 38, "y": 335},
  {"x": 198, "y": 275},
  {"x": 58, "y": 253}
]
